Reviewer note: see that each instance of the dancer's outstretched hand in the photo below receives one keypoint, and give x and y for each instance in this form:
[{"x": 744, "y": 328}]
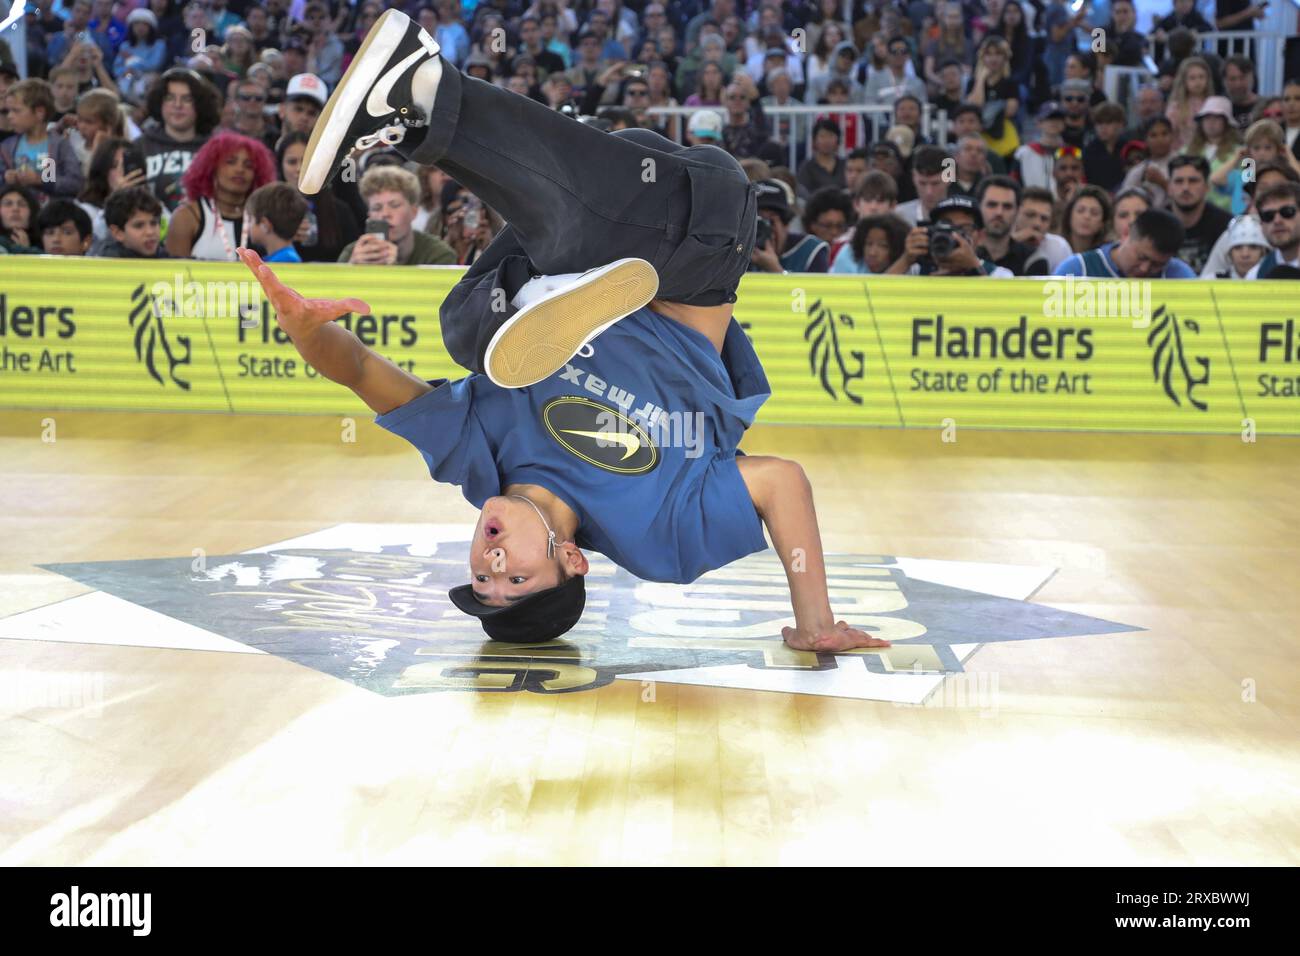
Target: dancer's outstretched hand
[
  {"x": 295, "y": 314},
  {"x": 841, "y": 637}
]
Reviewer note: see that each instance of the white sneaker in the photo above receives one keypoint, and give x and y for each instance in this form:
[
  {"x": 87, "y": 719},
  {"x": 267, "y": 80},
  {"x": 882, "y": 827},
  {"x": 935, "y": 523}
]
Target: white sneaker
[{"x": 546, "y": 333}]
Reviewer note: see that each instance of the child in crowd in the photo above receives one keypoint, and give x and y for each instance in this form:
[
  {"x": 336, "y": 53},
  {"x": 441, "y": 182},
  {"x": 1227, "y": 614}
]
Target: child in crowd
[
  {"x": 272, "y": 215},
  {"x": 19, "y": 208},
  {"x": 132, "y": 216},
  {"x": 1103, "y": 162},
  {"x": 33, "y": 157},
  {"x": 1036, "y": 160},
  {"x": 1264, "y": 142},
  {"x": 1218, "y": 140},
  {"x": 64, "y": 228},
  {"x": 877, "y": 242},
  {"x": 1247, "y": 245},
  {"x": 63, "y": 85},
  {"x": 98, "y": 117},
  {"x": 875, "y": 195}
]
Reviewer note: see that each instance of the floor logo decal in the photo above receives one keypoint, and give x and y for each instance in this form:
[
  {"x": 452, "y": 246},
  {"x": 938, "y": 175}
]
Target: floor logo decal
[{"x": 368, "y": 604}]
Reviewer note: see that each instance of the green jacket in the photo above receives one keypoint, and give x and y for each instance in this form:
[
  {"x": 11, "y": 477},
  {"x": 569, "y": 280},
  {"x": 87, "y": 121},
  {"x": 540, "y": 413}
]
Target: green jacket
[{"x": 426, "y": 250}]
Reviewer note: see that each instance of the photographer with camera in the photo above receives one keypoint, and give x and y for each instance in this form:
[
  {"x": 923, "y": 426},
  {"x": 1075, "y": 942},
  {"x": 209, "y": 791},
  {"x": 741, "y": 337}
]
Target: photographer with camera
[
  {"x": 945, "y": 246},
  {"x": 776, "y": 248}
]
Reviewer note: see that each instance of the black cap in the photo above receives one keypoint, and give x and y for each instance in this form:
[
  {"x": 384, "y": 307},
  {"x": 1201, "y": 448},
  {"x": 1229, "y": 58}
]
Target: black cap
[
  {"x": 542, "y": 616},
  {"x": 772, "y": 195},
  {"x": 951, "y": 203},
  {"x": 1050, "y": 110},
  {"x": 886, "y": 146}
]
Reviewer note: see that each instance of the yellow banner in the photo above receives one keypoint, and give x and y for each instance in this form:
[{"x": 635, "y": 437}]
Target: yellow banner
[{"x": 1170, "y": 356}]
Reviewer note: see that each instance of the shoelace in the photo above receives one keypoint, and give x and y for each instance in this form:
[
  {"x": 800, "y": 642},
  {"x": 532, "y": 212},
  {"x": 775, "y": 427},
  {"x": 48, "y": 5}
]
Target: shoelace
[
  {"x": 389, "y": 136},
  {"x": 392, "y": 135}
]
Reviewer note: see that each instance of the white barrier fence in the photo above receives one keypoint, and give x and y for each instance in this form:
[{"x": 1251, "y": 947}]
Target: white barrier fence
[
  {"x": 1266, "y": 50},
  {"x": 792, "y": 126}
]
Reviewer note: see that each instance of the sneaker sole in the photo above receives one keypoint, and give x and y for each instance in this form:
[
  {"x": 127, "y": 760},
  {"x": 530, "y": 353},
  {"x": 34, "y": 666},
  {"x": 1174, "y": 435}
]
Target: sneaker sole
[
  {"x": 538, "y": 341},
  {"x": 349, "y": 96}
]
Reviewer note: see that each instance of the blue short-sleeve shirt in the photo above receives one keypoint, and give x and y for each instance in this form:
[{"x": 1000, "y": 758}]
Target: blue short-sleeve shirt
[{"x": 639, "y": 439}]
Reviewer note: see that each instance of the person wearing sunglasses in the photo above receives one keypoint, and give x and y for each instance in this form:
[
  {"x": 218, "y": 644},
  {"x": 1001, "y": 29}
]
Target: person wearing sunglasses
[
  {"x": 742, "y": 137},
  {"x": 895, "y": 80},
  {"x": 1076, "y": 101},
  {"x": 1267, "y": 175},
  {"x": 1279, "y": 213},
  {"x": 250, "y": 112}
]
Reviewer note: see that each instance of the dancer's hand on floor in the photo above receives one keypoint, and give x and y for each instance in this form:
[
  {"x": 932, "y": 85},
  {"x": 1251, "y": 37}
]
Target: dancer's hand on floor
[
  {"x": 296, "y": 315},
  {"x": 841, "y": 637}
]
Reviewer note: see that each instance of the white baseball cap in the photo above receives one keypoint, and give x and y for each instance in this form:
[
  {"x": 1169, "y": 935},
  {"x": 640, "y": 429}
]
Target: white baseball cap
[
  {"x": 309, "y": 85},
  {"x": 706, "y": 124},
  {"x": 142, "y": 16},
  {"x": 1246, "y": 231}
]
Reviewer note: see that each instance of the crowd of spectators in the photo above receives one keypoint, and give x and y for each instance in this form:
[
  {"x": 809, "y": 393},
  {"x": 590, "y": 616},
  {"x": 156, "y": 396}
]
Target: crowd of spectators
[{"x": 886, "y": 136}]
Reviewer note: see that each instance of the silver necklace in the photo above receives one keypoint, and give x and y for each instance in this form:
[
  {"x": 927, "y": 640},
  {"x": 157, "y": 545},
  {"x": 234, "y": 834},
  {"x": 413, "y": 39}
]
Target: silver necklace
[{"x": 550, "y": 535}]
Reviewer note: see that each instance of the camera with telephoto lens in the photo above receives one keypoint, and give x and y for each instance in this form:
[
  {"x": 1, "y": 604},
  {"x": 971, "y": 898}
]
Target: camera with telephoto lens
[
  {"x": 762, "y": 232},
  {"x": 943, "y": 239}
]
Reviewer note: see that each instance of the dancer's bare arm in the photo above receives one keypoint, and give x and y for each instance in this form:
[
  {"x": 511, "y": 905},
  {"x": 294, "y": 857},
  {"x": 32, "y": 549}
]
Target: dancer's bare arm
[
  {"x": 331, "y": 349},
  {"x": 782, "y": 495}
]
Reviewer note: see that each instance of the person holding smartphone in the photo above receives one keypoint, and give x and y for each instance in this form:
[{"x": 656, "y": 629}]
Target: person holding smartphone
[
  {"x": 392, "y": 197},
  {"x": 115, "y": 164}
]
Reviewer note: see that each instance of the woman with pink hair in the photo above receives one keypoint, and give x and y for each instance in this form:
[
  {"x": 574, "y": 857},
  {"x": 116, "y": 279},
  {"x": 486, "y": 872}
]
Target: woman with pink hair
[{"x": 221, "y": 177}]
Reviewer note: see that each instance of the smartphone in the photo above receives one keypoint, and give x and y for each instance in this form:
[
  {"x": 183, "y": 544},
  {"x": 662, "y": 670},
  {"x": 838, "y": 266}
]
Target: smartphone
[
  {"x": 471, "y": 213},
  {"x": 132, "y": 160},
  {"x": 378, "y": 227}
]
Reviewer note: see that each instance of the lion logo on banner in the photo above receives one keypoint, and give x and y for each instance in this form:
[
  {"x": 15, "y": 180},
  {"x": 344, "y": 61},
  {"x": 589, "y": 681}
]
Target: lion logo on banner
[
  {"x": 151, "y": 336},
  {"x": 1169, "y": 361},
  {"x": 823, "y": 336}
]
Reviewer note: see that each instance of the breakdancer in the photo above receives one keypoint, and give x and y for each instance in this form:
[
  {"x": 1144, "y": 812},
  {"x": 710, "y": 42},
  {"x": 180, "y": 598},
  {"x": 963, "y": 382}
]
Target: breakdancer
[{"x": 604, "y": 407}]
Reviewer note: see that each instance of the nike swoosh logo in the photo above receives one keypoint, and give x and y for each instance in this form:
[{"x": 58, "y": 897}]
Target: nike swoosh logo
[
  {"x": 630, "y": 442},
  {"x": 377, "y": 102}
]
